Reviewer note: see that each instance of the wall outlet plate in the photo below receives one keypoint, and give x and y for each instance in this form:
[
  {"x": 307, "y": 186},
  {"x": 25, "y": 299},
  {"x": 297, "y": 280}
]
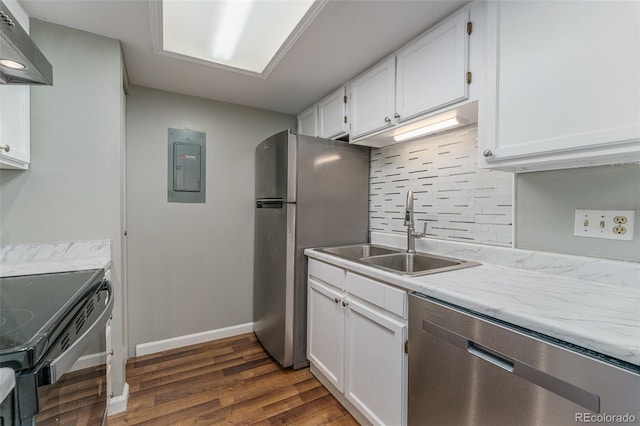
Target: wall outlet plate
[{"x": 609, "y": 224}]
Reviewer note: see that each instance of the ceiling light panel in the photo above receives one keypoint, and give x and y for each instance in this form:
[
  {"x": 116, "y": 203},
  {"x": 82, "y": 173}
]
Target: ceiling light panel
[{"x": 244, "y": 34}]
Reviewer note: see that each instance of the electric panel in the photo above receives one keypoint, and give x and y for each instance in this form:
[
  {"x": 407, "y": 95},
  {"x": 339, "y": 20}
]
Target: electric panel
[{"x": 186, "y": 171}]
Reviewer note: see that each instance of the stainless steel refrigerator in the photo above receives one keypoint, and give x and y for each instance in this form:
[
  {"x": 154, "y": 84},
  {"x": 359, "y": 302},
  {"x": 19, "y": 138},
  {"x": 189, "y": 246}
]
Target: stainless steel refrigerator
[{"x": 310, "y": 192}]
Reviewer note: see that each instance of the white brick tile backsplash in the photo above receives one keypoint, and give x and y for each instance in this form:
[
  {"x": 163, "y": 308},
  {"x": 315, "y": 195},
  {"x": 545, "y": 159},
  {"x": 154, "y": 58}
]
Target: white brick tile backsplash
[{"x": 457, "y": 200}]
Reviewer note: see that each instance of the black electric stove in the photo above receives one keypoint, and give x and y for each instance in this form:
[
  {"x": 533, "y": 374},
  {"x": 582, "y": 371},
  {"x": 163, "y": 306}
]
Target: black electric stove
[
  {"x": 32, "y": 308},
  {"x": 46, "y": 322}
]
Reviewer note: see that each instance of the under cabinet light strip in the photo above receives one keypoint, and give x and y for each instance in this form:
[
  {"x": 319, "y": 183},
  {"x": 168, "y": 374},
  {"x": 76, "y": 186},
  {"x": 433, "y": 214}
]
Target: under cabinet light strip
[{"x": 431, "y": 128}]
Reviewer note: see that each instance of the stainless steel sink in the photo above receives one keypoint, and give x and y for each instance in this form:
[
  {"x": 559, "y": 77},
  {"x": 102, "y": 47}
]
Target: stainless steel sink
[
  {"x": 417, "y": 263},
  {"x": 359, "y": 251},
  {"x": 397, "y": 261}
]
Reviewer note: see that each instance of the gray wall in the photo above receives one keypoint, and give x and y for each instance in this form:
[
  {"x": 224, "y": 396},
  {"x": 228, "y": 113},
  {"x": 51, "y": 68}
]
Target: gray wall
[
  {"x": 546, "y": 203},
  {"x": 72, "y": 190},
  {"x": 191, "y": 265}
]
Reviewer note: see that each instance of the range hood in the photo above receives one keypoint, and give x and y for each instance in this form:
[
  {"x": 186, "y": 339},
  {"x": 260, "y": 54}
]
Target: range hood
[{"x": 21, "y": 62}]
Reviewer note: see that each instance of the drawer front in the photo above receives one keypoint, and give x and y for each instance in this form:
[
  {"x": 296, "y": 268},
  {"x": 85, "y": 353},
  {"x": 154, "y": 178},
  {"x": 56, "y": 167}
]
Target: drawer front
[
  {"x": 382, "y": 295},
  {"x": 328, "y": 273}
]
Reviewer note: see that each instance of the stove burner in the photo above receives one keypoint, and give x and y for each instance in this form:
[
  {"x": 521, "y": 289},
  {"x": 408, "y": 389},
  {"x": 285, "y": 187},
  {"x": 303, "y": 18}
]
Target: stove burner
[{"x": 14, "y": 320}]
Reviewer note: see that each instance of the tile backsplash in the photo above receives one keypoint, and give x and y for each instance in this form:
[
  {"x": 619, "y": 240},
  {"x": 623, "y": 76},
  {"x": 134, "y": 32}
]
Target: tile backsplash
[{"x": 457, "y": 200}]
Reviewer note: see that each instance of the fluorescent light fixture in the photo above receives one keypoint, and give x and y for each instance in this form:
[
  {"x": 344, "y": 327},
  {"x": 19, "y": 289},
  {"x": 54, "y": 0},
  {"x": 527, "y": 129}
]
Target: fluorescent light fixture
[
  {"x": 12, "y": 64},
  {"x": 248, "y": 36},
  {"x": 231, "y": 25},
  {"x": 431, "y": 128}
]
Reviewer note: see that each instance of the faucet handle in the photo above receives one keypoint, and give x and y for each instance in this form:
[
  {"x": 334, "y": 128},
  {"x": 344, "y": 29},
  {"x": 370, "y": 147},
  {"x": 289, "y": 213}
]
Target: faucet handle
[
  {"x": 424, "y": 228},
  {"x": 408, "y": 211}
]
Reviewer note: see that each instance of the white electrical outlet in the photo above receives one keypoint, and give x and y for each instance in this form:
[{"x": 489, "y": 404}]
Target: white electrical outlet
[{"x": 610, "y": 224}]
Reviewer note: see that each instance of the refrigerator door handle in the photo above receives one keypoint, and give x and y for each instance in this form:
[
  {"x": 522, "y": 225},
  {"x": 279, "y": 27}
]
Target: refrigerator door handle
[{"x": 269, "y": 204}]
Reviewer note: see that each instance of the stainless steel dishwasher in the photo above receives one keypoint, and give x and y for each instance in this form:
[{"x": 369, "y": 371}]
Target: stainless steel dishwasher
[{"x": 467, "y": 369}]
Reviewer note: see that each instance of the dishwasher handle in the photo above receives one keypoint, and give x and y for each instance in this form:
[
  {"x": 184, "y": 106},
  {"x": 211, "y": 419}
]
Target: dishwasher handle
[
  {"x": 526, "y": 372},
  {"x": 490, "y": 356}
]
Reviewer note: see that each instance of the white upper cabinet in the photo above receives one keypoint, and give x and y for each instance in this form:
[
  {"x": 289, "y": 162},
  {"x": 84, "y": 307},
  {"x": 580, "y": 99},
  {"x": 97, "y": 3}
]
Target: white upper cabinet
[
  {"x": 308, "y": 122},
  {"x": 15, "y": 138},
  {"x": 332, "y": 115},
  {"x": 424, "y": 79},
  {"x": 432, "y": 70},
  {"x": 563, "y": 86},
  {"x": 372, "y": 99},
  {"x": 14, "y": 127}
]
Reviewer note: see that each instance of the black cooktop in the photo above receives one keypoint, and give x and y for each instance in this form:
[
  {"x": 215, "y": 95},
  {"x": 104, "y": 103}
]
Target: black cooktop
[{"x": 32, "y": 308}]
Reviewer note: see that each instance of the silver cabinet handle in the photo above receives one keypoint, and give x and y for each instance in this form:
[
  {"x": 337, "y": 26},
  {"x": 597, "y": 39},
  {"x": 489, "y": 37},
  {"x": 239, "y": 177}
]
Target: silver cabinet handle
[
  {"x": 336, "y": 300},
  {"x": 5, "y": 147},
  {"x": 487, "y": 153},
  {"x": 396, "y": 115},
  {"x": 387, "y": 120}
]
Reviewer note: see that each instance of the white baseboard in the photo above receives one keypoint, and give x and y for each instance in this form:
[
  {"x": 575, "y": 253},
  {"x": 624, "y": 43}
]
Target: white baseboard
[
  {"x": 192, "y": 339},
  {"x": 87, "y": 361},
  {"x": 118, "y": 404}
]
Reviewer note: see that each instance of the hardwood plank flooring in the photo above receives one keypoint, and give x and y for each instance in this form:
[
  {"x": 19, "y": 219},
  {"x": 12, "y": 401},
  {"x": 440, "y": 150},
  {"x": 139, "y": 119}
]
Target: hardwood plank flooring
[{"x": 231, "y": 381}]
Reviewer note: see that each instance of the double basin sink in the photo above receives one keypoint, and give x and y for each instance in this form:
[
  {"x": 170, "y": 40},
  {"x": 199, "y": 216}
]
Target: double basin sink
[{"x": 397, "y": 261}]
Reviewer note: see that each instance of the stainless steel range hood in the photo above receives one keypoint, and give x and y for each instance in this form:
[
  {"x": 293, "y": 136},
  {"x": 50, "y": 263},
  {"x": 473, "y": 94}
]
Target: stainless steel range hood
[{"x": 21, "y": 62}]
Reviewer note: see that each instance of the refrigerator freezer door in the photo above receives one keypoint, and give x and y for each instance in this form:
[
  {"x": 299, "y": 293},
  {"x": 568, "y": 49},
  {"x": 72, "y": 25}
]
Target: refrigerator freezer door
[
  {"x": 273, "y": 278},
  {"x": 276, "y": 167}
]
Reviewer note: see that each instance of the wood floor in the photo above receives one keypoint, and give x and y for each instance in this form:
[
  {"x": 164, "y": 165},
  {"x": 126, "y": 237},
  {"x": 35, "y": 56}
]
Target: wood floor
[{"x": 231, "y": 381}]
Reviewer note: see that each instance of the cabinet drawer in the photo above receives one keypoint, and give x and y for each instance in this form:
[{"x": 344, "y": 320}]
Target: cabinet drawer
[
  {"x": 327, "y": 273},
  {"x": 382, "y": 295}
]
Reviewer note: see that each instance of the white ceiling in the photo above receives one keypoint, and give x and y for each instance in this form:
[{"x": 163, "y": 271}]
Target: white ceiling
[{"x": 346, "y": 38}]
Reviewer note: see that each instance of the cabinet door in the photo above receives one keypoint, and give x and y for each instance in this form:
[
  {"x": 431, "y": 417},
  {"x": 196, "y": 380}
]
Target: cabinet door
[
  {"x": 372, "y": 99},
  {"x": 325, "y": 332},
  {"x": 332, "y": 115},
  {"x": 14, "y": 127},
  {"x": 376, "y": 365},
  {"x": 431, "y": 71},
  {"x": 15, "y": 113},
  {"x": 562, "y": 80},
  {"x": 308, "y": 122}
]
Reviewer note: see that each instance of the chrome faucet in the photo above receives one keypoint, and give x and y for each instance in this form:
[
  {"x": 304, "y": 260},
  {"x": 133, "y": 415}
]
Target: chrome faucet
[{"x": 408, "y": 222}]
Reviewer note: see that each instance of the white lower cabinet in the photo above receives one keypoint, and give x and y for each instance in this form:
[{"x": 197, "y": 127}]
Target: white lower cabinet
[
  {"x": 375, "y": 364},
  {"x": 325, "y": 338},
  {"x": 357, "y": 330}
]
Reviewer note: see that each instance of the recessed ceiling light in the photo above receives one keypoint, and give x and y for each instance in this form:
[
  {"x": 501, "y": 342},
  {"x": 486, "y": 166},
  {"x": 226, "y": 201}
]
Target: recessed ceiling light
[
  {"x": 12, "y": 64},
  {"x": 250, "y": 36}
]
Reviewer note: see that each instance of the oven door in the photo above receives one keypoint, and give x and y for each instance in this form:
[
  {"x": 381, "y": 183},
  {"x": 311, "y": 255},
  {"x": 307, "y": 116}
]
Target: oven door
[
  {"x": 56, "y": 394},
  {"x": 77, "y": 398}
]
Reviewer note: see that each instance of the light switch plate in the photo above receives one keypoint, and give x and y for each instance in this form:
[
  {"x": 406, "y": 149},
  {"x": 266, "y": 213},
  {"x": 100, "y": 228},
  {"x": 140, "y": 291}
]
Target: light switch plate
[{"x": 609, "y": 224}]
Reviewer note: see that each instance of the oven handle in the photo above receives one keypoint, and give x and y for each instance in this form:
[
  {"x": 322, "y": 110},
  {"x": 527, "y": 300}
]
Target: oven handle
[{"x": 63, "y": 362}]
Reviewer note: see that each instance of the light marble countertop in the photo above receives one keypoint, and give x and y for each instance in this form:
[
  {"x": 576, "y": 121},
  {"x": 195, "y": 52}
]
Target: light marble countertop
[
  {"x": 598, "y": 316},
  {"x": 45, "y": 258}
]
